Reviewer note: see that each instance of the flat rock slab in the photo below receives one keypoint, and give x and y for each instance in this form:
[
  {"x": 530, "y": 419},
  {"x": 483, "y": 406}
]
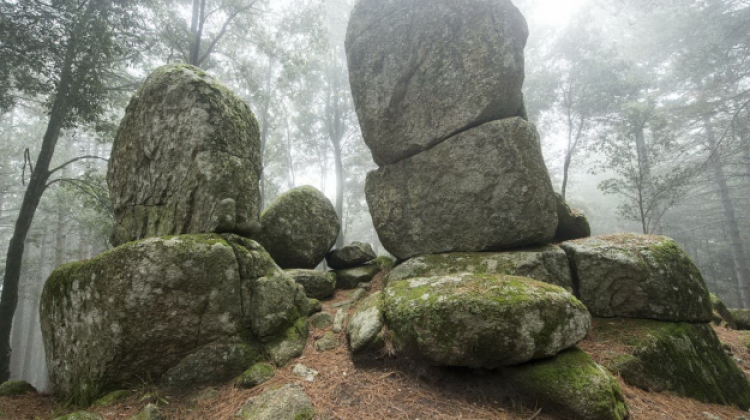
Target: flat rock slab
[
  {"x": 299, "y": 228},
  {"x": 185, "y": 144},
  {"x": 423, "y": 71},
  {"x": 350, "y": 278},
  {"x": 352, "y": 255},
  {"x": 286, "y": 403},
  {"x": 638, "y": 276},
  {"x": 571, "y": 385},
  {"x": 184, "y": 310},
  {"x": 317, "y": 284},
  {"x": 484, "y": 189},
  {"x": 680, "y": 358},
  {"x": 548, "y": 264},
  {"x": 482, "y": 320}
]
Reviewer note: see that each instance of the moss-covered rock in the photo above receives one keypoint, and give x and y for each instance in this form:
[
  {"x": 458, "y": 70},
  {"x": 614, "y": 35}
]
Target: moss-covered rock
[
  {"x": 352, "y": 255},
  {"x": 350, "y": 278},
  {"x": 548, "y": 264},
  {"x": 286, "y": 403},
  {"x": 366, "y": 324},
  {"x": 112, "y": 398},
  {"x": 185, "y": 144},
  {"x": 741, "y": 318},
  {"x": 188, "y": 309},
  {"x": 638, "y": 276},
  {"x": 482, "y": 320},
  {"x": 321, "y": 320},
  {"x": 149, "y": 412},
  {"x": 81, "y": 415},
  {"x": 299, "y": 228},
  {"x": 571, "y": 385},
  {"x": 318, "y": 284},
  {"x": 13, "y": 388},
  {"x": 721, "y": 314},
  {"x": 329, "y": 341},
  {"x": 683, "y": 359},
  {"x": 256, "y": 375},
  {"x": 571, "y": 223}
]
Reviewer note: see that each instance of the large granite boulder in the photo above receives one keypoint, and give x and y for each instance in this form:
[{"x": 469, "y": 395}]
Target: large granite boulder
[
  {"x": 680, "y": 358},
  {"x": 317, "y": 284},
  {"x": 351, "y": 278},
  {"x": 547, "y": 263},
  {"x": 741, "y": 318},
  {"x": 571, "y": 385},
  {"x": 571, "y": 223},
  {"x": 638, "y": 276},
  {"x": 482, "y": 320},
  {"x": 186, "y": 144},
  {"x": 422, "y": 71},
  {"x": 484, "y": 189},
  {"x": 352, "y": 255},
  {"x": 184, "y": 310},
  {"x": 299, "y": 228}
]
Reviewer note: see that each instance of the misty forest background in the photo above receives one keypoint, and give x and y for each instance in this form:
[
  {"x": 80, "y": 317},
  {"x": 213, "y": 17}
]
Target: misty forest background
[{"x": 642, "y": 105}]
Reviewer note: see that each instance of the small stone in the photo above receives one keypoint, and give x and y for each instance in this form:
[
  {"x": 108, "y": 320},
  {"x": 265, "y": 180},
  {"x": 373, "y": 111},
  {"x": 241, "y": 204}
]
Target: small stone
[
  {"x": 286, "y": 403},
  {"x": 343, "y": 304},
  {"x": 350, "y": 278},
  {"x": 112, "y": 398},
  {"x": 365, "y": 286},
  {"x": 358, "y": 294},
  {"x": 315, "y": 306},
  {"x": 338, "y": 321},
  {"x": 352, "y": 255},
  {"x": 81, "y": 415},
  {"x": 741, "y": 318},
  {"x": 256, "y": 375},
  {"x": 721, "y": 314},
  {"x": 304, "y": 372},
  {"x": 328, "y": 342},
  {"x": 13, "y": 388},
  {"x": 709, "y": 416},
  {"x": 321, "y": 320},
  {"x": 149, "y": 412}
]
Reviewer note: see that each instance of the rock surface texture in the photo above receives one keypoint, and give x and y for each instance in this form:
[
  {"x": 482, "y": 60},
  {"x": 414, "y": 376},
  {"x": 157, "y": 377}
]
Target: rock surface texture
[
  {"x": 638, "y": 276},
  {"x": 299, "y": 228},
  {"x": 185, "y": 310},
  {"x": 352, "y": 255},
  {"x": 185, "y": 145},
  {"x": 317, "y": 284},
  {"x": 482, "y": 320},
  {"x": 548, "y": 264},
  {"x": 571, "y": 385},
  {"x": 423, "y": 71},
  {"x": 286, "y": 403},
  {"x": 484, "y": 189},
  {"x": 684, "y": 359},
  {"x": 571, "y": 223},
  {"x": 350, "y": 278}
]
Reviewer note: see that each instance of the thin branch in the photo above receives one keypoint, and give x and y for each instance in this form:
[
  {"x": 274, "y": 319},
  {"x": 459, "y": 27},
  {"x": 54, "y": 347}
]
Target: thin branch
[{"x": 76, "y": 160}]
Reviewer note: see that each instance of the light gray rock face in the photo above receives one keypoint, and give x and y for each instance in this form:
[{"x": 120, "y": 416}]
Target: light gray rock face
[
  {"x": 638, "y": 276},
  {"x": 482, "y": 320},
  {"x": 186, "y": 143},
  {"x": 548, "y": 264},
  {"x": 318, "y": 284},
  {"x": 352, "y": 255},
  {"x": 422, "y": 71},
  {"x": 571, "y": 223},
  {"x": 366, "y": 324},
  {"x": 484, "y": 189},
  {"x": 286, "y": 403},
  {"x": 184, "y": 310},
  {"x": 351, "y": 278},
  {"x": 299, "y": 228}
]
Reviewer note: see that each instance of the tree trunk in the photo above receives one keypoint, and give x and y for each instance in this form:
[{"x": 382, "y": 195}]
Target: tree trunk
[
  {"x": 339, "y": 189},
  {"x": 264, "y": 123},
  {"x": 742, "y": 268},
  {"x": 566, "y": 167},
  {"x": 32, "y": 196},
  {"x": 644, "y": 176},
  {"x": 196, "y": 30}
]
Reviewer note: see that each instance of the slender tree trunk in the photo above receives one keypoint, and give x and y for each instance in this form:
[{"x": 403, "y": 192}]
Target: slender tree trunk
[
  {"x": 32, "y": 196},
  {"x": 644, "y": 176},
  {"x": 339, "y": 189},
  {"x": 60, "y": 231},
  {"x": 196, "y": 29},
  {"x": 742, "y": 268},
  {"x": 264, "y": 123}
]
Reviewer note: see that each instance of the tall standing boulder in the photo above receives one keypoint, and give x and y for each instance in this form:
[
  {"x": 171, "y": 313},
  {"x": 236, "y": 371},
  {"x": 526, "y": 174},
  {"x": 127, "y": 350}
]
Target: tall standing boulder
[
  {"x": 185, "y": 145},
  {"x": 422, "y": 71},
  {"x": 185, "y": 310},
  {"x": 482, "y": 190},
  {"x": 299, "y": 228}
]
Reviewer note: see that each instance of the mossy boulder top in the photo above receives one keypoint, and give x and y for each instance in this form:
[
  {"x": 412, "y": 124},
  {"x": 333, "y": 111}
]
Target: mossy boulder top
[
  {"x": 482, "y": 320},
  {"x": 638, "y": 276},
  {"x": 571, "y": 385},
  {"x": 681, "y": 358},
  {"x": 571, "y": 223},
  {"x": 185, "y": 144},
  {"x": 547, "y": 263},
  {"x": 422, "y": 71},
  {"x": 485, "y": 189},
  {"x": 299, "y": 228},
  {"x": 352, "y": 255},
  {"x": 183, "y": 310}
]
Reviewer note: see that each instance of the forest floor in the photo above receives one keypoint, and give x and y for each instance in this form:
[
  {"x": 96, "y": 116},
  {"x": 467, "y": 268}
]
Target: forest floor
[{"x": 384, "y": 389}]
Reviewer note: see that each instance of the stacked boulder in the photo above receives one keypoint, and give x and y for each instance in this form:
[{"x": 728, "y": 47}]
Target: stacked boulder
[
  {"x": 200, "y": 305},
  {"x": 354, "y": 265}
]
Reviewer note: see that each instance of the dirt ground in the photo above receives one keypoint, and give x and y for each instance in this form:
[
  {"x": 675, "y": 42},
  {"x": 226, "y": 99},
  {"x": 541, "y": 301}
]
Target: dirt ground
[{"x": 390, "y": 388}]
